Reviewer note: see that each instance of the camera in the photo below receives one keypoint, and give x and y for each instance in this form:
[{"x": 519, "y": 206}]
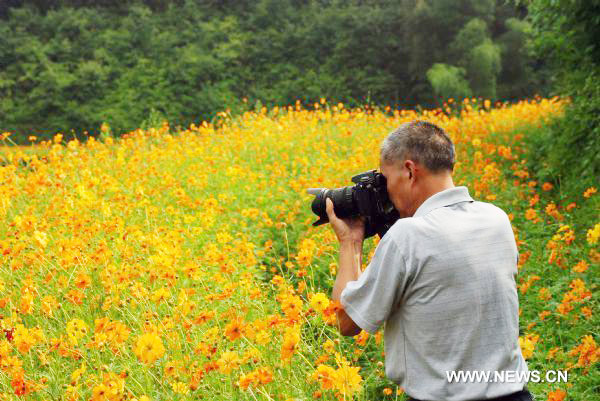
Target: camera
[{"x": 368, "y": 198}]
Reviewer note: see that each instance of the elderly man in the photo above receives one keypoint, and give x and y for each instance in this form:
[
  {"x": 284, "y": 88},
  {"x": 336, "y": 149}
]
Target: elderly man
[{"x": 442, "y": 279}]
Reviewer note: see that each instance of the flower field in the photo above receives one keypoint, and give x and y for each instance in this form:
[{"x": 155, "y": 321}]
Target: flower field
[{"x": 182, "y": 264}]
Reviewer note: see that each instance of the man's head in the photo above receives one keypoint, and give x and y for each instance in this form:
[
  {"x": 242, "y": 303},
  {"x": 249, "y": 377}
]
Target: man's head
[{"x": 417, "y": 160}]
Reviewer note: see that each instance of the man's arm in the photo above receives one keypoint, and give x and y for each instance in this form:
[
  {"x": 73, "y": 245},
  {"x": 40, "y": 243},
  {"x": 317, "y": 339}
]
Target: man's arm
[
  {"x": 369, "y": 296},
  {"x": 348, "y": 270}
]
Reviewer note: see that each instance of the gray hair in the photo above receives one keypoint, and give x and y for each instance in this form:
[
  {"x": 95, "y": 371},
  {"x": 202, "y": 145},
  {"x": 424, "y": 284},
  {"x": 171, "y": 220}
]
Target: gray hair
[{"x": 421, "y": 142}]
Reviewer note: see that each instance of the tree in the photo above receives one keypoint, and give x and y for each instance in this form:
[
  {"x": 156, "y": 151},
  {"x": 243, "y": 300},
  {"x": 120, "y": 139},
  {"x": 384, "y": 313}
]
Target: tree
[
  {"x": 73, "y": 64},
  {"x": 518, "y": 75},
  {"x": 448, "y": 81},
  {"x": 567, "y": 32},
  {"x": 483, "y": 67}
]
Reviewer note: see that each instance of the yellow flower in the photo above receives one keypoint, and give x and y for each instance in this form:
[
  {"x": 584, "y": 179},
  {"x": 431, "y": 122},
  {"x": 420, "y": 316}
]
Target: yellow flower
[
  {"x": 76, "y": 329},
  {"x": 228, "y": 361},
  {"x": 329, "y": 346},
  {"x": 49, "y": 304},
  {"x": 160, "y": 295},
  {"x": 100, "y": 393},
  {"x": 527, "y": 345},
  {"x": 180, "y": 388},
  {"x": 593, "y": 234},
  {"x": 319, "y": 302},
  {"x": 25, "y": 338},
  {"x": 291, "y": 306},
  {"x": 361, "y": 338},
  {"x": 149, "y": 348},
  {"x": 41, "y": 238},
  {"x": 347, "y": 380},
  {"x": 78, "y": 372}
]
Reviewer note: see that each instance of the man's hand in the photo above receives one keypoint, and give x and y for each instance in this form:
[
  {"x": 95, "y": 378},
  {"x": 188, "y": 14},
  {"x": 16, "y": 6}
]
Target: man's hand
[
  {"x": 351, "y": 229},
  {"x": 351, "y": 234}
]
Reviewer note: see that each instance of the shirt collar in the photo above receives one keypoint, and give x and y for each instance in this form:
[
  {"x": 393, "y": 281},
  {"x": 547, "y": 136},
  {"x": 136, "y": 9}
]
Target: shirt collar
[{"x": 443, "y": 198}]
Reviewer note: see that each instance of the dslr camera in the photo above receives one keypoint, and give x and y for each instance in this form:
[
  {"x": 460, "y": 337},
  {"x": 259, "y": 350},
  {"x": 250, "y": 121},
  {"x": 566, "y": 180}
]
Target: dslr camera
[{"x": 368, "y": 198}]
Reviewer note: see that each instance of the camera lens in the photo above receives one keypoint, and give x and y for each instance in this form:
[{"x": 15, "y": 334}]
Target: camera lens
[{"x": 342, "y": 198}]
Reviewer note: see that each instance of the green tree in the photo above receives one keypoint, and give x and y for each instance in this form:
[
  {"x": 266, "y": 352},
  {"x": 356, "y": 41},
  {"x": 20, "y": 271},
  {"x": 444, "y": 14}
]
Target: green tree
[
  {"x": 567, "y": 32},
  {"x": 73, "y": 64},
  {"x": 518, "y": 75},
  {"x": 448, "y": 81},
  {"x": 483, "y": 68},
  {"x": 474, "y": 51}
]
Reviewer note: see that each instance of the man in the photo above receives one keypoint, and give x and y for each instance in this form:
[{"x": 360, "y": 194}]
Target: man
[{"x": 442, "y": 278}]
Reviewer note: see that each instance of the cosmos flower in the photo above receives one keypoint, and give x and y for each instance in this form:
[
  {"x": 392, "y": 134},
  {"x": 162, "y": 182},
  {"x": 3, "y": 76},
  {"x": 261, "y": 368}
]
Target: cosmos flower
[{"x": 149, "y": 348}]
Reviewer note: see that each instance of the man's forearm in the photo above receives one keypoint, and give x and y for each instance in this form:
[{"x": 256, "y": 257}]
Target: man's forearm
[{"x": 349, "y": 266}]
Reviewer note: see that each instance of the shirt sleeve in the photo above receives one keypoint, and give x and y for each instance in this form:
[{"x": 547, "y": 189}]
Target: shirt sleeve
[{"x": 370, "y": 299}]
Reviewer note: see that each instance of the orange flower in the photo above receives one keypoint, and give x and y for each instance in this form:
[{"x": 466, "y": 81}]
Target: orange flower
[
  {"x": 581, "y": 266},
  {"x": 525, "y": 286},
  {"x": 20, "y": 386},
  {"x": 547, "y": 186},
  {"x": 588, "y": 352},
  {"x": 203, "y": 317},
  {"x": 291, "y": 339},
  {"x": 587, "y": 312},
  {"x": 530, "y": 214},
  {"x": 557, "y": 395},
  {"x": 322, "y": 359},
  {"x": 544, "y": 294},
  {"x": 75, "y": 297},
  {"x": 533, "y": 201},
  {"x": 552, "y": 352},
  {"x": 83, "y": 280},
  {"x": 291, "y": 306},
  {"x": 589, "y": 192},
  {"x": 234, "y": 329},
  {"x": 552, "y": 210},
  {"x": 361, "y": 338},
  {"x": 325, "y": 375}
]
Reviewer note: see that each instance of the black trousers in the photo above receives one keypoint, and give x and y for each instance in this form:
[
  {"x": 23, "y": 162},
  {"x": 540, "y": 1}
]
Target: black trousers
[{"x": 523, "y": 395}]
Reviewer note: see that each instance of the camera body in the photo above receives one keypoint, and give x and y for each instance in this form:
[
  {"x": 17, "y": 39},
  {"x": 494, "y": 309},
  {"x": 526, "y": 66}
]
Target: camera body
[{"x": 368, "y": 198}]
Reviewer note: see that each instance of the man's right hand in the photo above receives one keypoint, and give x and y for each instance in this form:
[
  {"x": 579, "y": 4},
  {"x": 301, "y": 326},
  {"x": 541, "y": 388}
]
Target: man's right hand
[{"x": 350, "y": 229}]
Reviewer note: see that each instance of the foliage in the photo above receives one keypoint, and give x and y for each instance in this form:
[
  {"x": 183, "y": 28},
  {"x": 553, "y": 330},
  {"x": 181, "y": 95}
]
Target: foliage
[
  {"x": 448, "y": 81},
  {"x": 70, "y": 65},
  {"x": 567, "y": 34}
]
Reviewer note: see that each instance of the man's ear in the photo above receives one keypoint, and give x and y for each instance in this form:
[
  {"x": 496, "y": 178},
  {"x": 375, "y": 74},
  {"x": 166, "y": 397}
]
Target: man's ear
[{"x": 410, "y": 168}]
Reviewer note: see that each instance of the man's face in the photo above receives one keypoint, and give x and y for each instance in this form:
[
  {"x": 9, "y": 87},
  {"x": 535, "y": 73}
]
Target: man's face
[{"x": 398, "y": 185}]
